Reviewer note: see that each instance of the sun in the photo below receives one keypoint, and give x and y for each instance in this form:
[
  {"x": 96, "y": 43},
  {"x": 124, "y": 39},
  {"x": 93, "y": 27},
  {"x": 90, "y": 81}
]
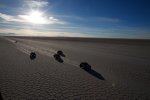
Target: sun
[{"x": 36, "y": 17}]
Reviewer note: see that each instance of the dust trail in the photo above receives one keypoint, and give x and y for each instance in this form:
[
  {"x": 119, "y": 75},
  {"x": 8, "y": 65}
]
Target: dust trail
[
  {"x": 71, "y": 62},
  {"x": 28, "y": 48},
  {"x": 26, "y": 51},
  {"x": 11, "y": 40}
]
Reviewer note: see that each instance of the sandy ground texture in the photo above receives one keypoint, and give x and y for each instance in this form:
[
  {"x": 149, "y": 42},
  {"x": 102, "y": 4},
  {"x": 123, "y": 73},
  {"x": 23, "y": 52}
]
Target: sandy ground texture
[{"x": 120, "y": 70}]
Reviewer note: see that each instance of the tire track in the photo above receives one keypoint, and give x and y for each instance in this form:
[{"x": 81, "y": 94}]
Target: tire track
[{"x": 26, "y": 48}]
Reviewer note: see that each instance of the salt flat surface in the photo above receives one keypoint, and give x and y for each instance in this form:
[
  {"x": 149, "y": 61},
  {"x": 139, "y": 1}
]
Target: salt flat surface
[{"x": 125, "y": 68}]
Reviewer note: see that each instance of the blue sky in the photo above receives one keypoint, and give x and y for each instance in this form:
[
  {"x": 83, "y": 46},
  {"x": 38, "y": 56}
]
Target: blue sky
[{"x": 76, "y": 18}]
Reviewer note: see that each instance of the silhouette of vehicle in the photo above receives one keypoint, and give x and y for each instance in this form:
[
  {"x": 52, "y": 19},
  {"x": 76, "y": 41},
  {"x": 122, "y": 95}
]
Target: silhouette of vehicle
[
  {"x": 58, "y": 58},
  {"x": 60, "y": 53},
  {"x": 32, "y": 55},
  {"x": 85, "y": 65}
]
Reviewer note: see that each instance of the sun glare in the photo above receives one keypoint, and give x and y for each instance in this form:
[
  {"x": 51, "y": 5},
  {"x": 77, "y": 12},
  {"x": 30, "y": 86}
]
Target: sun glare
[{"x": 36, "y": 17}]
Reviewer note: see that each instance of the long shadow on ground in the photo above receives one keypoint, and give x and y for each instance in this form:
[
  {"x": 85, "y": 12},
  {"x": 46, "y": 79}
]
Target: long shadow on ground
[
  {"x": 87, "y": 67},
  {"x": 95, "y": 74},
  {"x": 1, "y": 96}
]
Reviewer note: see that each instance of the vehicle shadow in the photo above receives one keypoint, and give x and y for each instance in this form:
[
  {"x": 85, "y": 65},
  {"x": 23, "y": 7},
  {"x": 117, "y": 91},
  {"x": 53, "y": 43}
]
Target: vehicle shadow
[
  {"x": 1, "y": 96},
  {"x": 85, "y": 66},
  {"x": 59, "y": 60},
  {"x": 95, "y": 74},
  {"x": 63, "y": 55}
]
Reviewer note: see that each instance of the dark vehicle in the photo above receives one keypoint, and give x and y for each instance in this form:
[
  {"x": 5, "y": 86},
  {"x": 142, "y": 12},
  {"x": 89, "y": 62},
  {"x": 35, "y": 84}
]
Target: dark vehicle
[
  {"x": 85, "y": 65},
  {"x": 58, "y": 58},
  {"x": 32, "y": 55},
  {"x": 60, "y": 53}
]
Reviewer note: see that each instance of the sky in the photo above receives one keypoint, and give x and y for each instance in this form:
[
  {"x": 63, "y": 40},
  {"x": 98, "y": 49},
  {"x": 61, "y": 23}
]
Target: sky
[{"x": 76, "y": 18}]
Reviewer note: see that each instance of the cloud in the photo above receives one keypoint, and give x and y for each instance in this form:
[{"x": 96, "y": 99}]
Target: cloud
[
  {"x": 28, "y": 19},
  {"x": 107, "y": 19},
  {"x": 35, "y": 3},
  {"x": 104, "y": 19},
  {"x": 9, "y": 18},
  {"x": 100, "y": 18},
  {"x": 30, "y": 32}
]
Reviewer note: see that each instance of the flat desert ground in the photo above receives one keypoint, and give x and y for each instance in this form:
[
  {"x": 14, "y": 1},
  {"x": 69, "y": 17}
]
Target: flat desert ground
[{"x": 120, "y": 69}]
